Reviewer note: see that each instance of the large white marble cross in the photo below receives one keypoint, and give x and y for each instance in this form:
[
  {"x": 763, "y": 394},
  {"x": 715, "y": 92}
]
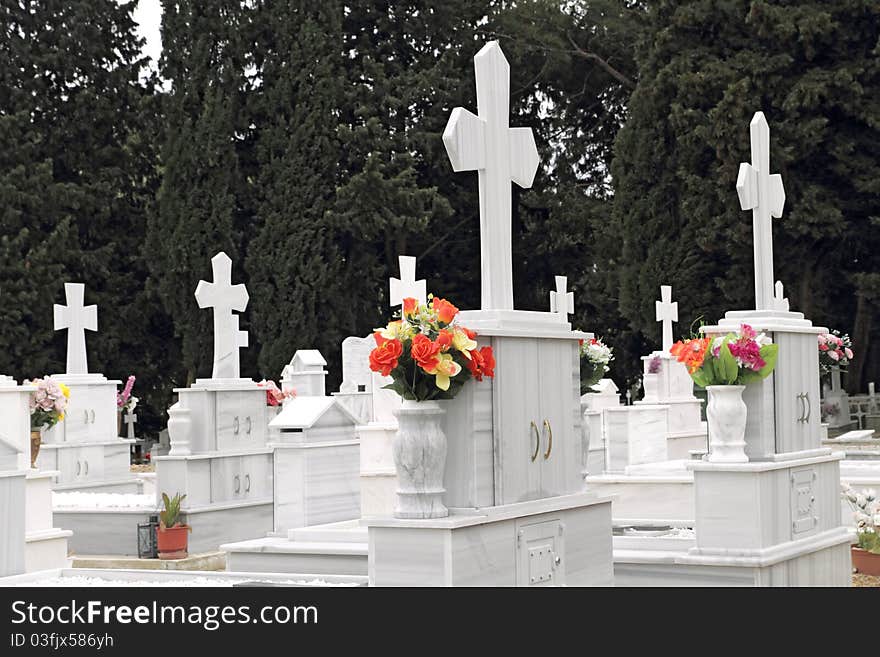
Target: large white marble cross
[
  {"x": 224, "y": 298},
  {"x": 407, "y": 286},
  {"x": 667, "y": 312},
  {"x": 764, "y": 195},
  {"x": 77, "y": 319},
  {"x": 562, "y": 301},
  {"x": 500, "y": 154}
]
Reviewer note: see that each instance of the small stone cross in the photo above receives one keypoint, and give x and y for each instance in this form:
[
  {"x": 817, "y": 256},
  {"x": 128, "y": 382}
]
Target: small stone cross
[
  {"x": 407, "y": 286},
  {"x": 667, "y": 312},
  {"x": 562, "y": 301},
  {"x": 130, "y": 419},
  {"x": 779, "y": 300}
]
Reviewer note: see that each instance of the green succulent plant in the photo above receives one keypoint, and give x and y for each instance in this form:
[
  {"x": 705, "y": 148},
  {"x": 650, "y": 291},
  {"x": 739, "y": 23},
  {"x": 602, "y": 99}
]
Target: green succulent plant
[{"x": 170, "y": 516}]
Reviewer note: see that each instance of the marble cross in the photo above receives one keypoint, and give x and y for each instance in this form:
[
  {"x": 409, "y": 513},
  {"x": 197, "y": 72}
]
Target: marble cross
[
  {"x": 77, "y": 319},
  {"x": 130, "y": 419},
  {"x": 407, "y": 286},
  {"x": 500, "y": 154},
  {"x": 764, "y": 195},
  {"x": 224, "y": 298},
  {"x": 562, "y": 301},
  {"x": 779, "y": 300},
  {"x": 241, "y": 340},
  {"x": 667, "y": 312}
]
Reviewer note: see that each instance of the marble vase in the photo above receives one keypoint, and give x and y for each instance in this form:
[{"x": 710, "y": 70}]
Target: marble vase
[
  {"x": 726, "y": 414},
  {"x": 179, "y": 429},
  {"x": 419, "y": 450}
]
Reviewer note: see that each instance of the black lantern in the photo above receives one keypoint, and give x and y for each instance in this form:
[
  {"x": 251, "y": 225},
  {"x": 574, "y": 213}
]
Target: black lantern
[{"x": 147, "y": 548}]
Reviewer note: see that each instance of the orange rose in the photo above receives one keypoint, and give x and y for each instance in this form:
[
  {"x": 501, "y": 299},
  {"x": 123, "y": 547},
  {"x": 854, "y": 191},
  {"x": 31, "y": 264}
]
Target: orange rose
[
  {"x": 482, "y": 363},
  {"x": 410, "y": 306},
  {"x": 425, "y": 352},
  {"x": 444, "y": 339},
  {"x": 446, "y": 312},
  {"x": 384, "y": 357},
  {"x": 691, "y": 352}
]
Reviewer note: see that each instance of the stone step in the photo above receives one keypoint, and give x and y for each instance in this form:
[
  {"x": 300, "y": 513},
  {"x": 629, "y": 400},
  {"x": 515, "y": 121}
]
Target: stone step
[
  {"x": 46, "y": 549},
  {"x": 347, "y": 531},
  {"x": 281, "y": 555},
  {"x": 201, "y": 562}
]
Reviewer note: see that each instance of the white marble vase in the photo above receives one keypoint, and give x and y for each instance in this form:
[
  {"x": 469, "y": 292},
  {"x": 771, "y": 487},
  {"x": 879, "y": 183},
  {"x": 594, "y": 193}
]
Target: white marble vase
[
  {"x": 419, "y": 450},
  {"x": 726, "y": 414}
]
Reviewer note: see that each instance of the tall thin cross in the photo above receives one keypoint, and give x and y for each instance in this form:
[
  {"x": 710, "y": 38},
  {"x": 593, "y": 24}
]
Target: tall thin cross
[
  {"x": 77, "y": 319},
  {"x": 224, "y": 298},
  {"x": 500, "y": 154},
  {"x": 407, "y": 286},
  {"x": 667, "y": 312},
  {"x": 130, "y": 419},
  {"x": 764, "y": 195},
  {"x": 562, "y": 301}
]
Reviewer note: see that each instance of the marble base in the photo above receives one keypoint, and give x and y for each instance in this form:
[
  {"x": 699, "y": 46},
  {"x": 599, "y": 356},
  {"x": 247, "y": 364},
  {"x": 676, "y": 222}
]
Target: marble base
[
  {"x": 564, "y": 540},
  {"x": 12, "y": 521},
  {"x": 103, "y": 531},
  {"x": 46, "y": 549},
  {"x": 635, "y": 434},
  {"x": 45, "y": 545},
  {"x": 214, "y": 526},
  {"x": 378, "y": 478}
]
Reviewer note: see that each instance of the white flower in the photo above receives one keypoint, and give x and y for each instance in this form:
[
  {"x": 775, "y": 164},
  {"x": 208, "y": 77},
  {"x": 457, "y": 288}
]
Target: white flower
[{"x": 763, "y": 339}]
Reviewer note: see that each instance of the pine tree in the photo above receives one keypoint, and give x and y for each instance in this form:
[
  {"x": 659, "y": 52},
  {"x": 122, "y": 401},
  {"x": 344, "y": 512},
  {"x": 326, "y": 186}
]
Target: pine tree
[
  {"x": 202, "y": 204},
  {"x": 299, "y": 298},
  {"x": 705, "y": 68}
]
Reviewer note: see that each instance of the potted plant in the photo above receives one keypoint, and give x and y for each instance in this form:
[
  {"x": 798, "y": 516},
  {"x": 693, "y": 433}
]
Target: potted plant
[
  {"x": 47, "y": 405},
  {"x": 171, "y": 535},
  {"x": 724, "y": 365},
  {"x": 866, "y": 513},
  {"x": 125, "y": 403},
  {"x": 595, "y": 356},
  {"x": 429, "y": 357}
]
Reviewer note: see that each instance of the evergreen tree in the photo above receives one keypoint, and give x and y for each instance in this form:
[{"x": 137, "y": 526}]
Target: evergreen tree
[
  {"x": 705, "y": 67},
  {"x": 299, "y": 297},
  {"x": 202, "y": 205}
]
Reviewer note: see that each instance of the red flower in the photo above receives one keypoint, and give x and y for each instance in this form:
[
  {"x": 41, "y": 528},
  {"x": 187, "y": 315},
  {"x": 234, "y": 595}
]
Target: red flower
[
  {"x": 471, "y": 334},
  {"x": 424, "y": 352},
  {"x": 384, "y": 357},
  {"x": 410, "y": 306},
  {"x": 482, "y": 363},
  {"x": 444, "y": 339},
  {"x": 446, "y": 312}
]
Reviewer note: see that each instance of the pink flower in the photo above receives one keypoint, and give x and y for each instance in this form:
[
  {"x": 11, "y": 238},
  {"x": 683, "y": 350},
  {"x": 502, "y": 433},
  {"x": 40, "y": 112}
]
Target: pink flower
[
  {"x": 747, "y": 331},
  {"x": 823, "y": 338},
  {"x": 747, "y": 354},
  {"x": 833, "y": 355},
  {"x": 848, "y": 352},
  {"x": 823, "y": 347}
]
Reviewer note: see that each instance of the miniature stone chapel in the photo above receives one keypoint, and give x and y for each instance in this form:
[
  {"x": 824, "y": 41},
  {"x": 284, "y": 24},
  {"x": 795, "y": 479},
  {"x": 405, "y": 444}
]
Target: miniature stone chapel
[{"x": 513, "y": 483}]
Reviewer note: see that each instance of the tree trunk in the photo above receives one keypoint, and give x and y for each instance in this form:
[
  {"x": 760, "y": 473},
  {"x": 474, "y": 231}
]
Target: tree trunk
[{"x": 861, "y": 337}]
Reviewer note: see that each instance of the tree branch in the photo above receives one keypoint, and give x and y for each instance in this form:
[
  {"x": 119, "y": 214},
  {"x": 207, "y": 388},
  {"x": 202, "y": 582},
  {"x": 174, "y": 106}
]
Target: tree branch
[{"x": 604, "y": 65}]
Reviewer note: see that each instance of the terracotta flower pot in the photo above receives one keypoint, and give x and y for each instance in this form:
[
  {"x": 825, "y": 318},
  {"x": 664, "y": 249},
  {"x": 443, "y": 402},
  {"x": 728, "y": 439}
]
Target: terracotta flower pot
[
  {"x": 36, "y": 441},
  {"x": 172, "y": 541},
  {"x": 867, "y": 563}
]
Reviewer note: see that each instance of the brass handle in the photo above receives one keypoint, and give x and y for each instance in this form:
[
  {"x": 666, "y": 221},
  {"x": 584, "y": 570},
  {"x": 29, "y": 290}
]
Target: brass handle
[
  {"x": 537, "y": 440},
  {"x": 550, "y": 443}
]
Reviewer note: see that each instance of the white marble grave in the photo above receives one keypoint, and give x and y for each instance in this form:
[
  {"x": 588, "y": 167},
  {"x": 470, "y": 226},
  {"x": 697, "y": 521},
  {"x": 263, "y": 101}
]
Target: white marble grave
[
  {"x": 84, "y": 449},
  {"x": 514, "y": 467}
]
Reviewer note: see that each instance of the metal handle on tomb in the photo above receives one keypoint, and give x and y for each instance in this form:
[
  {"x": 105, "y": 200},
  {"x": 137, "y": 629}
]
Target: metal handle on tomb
[
  {"x": 809, "y": 406},
  {"x": 237, "y": 481},
  {"x": 537, "y": 440},
  {"x": 800, "y": 398},
  {"x": 93, "y": 416},
  {"x": 78, "y": 468},
  {"x": 86, "y": 473},
  {"x": 248, "y": 432},
  {"x": 235, "y": 426},
  {"x": 87, "y": 415},
  {"x": 247, "y": 483},
  {"x": 550, "y": 444}
]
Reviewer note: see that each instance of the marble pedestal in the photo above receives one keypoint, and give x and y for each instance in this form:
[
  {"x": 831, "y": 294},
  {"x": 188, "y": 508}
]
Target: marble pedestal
[
  {"x": 12, "y": 521},
  {"x": 562, "y": 540},
  {"x": 45, "y": 544},
  {"x": 378, "y": 479},
  {"x": 635, "y": 434}
]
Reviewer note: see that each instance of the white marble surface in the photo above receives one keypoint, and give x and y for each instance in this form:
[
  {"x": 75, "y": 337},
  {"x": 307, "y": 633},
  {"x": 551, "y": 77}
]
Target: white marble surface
[
  {"x": 12, "y": 520},
  {"x": 224, "y": 298},
  {"x": 15, "y": 449},
  {"x": 635, "y": 434},
  {"x": 80, "y": 577}
]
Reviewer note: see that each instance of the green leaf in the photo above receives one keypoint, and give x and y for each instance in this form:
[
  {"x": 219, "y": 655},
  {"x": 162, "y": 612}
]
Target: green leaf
[{"x": 726, "y": 366}]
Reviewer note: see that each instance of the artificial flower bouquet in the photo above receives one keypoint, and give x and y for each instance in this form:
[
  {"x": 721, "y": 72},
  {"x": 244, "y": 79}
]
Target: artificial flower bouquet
[
  {"x": 427, "y": 354},
  {"x": 275, "y": 396},
  {"x": 866, "y": 514},
  {"x": 835, "y": 350},
  {"x": 124, "y": 400},
  {"x": 48, "y": 402},
  {"x": 595, "y": 356},
  {"x": 737, "y": 358}
]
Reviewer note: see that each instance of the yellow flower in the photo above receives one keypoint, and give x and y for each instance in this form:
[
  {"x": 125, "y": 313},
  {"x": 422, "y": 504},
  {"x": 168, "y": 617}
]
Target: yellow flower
[
  {"x": 463, "y": 343},
  {"x": 60, "y": 416},
  {"x": 392, "y": 331},
  {"x": 446, "y": 368},
  {"x": 65, "y": 389}
]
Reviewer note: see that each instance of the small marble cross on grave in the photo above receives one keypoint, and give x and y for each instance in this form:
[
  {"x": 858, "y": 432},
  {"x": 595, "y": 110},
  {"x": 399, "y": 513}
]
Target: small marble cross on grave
[
  {"x": 407, "y": 287},
  {"x": 779, "y": 300},
  {"x": 500, "y": 154},
  {"x": 77, "y": 319},
  {"x": 667, "y": 312},
  {"x": 764, "y": 195},
  {"x": 224, "y": 298},
  {"x": 130, "y": 419},
  {"x": 562, "y": 301}
]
